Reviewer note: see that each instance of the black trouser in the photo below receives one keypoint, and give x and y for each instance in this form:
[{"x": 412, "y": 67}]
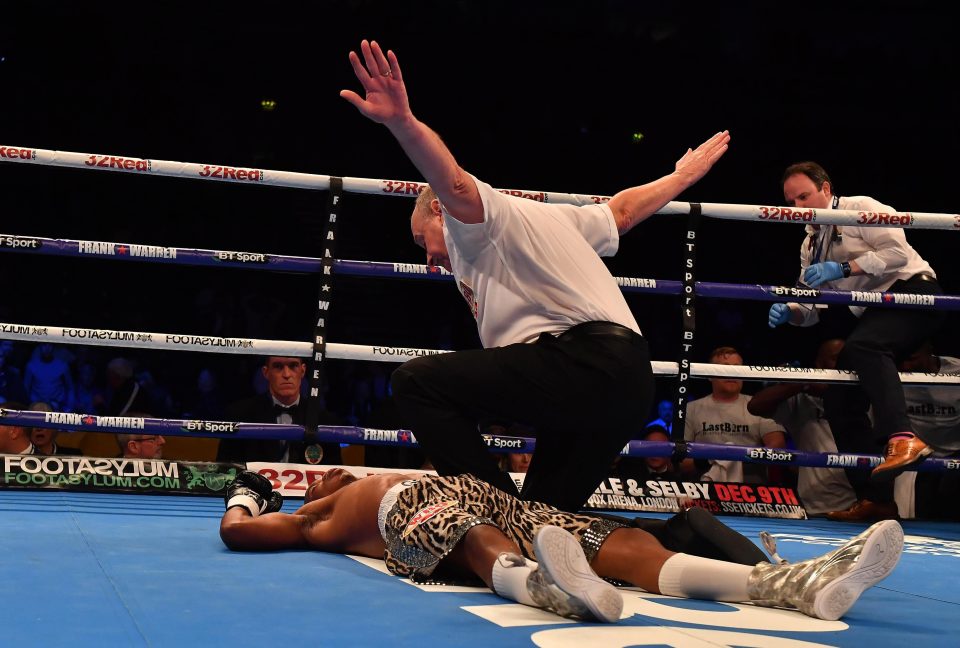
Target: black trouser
[
  {"x": 882, "y": 339},
  {"x": 937, "y": 495},
  {"x": 586, "y": 392}
]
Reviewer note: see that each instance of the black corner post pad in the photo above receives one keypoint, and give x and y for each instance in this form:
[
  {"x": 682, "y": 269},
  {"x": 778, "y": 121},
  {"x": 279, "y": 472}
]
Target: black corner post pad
[
  {"x": 688, "y": 316},
  {"x": 324, "y": 300}
]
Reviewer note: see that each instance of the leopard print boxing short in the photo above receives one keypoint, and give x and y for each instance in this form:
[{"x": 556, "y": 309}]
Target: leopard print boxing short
[{"x": 431, "y": 516}]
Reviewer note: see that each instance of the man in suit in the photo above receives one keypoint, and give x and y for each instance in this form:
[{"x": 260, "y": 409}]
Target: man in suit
[
  {"x": 15, "y": 439},
  {"x": 141, "y": 446},
  {"x": 45, "y": 439},
  {"x": 281, "y": 404}
]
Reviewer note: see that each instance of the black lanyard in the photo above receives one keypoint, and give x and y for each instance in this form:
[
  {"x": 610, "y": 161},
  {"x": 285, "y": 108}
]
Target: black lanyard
[
  {"x": 827, "y": 235},
  {"x": 822, "y": 244}
]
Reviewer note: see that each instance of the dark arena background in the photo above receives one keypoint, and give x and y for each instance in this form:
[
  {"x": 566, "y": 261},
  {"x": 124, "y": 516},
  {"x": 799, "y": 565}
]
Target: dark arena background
[{"x": 584, "y": 98}]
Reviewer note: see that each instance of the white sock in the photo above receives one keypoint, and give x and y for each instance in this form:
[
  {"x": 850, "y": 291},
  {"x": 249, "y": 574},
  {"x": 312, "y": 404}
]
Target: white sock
[
  {"x": 702, "y": 578},
  {"x": 510, "y": 573}
]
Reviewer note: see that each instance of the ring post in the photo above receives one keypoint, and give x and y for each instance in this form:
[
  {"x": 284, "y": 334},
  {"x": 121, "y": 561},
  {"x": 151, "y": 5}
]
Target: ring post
[
  {"x": 688, "y": 300},
  {"x": 323, "y": 306}
]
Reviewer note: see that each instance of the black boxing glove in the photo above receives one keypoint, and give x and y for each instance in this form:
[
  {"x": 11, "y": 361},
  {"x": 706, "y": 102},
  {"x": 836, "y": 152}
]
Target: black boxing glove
[
  {"x": 253, "y": 492},
  {"x": 274, "y": 502}
]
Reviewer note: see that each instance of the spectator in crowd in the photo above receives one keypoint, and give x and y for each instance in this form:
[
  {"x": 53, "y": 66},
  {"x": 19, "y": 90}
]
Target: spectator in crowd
[
  {"x": 206, "y": 402},
  {"x": 45, "y": 439},
  {"x": 11, "y": 381},
  {"x": 934, "y": 412},
  {"x": 126, "y": 394},
  {"x": 659, "y": 467},
  {"x": 798, "y": 407},
  {"x": 511, "y": 462},
  {"x": 642, "y": 468},
  {"x": 515, "y": 462},
  {"x": 722, "y": 418},
  {"x": 141, "y": 446},
  {"x": 90, "y": 396},
  {"x": 158, "y": 398},
  {"x": 281, "y": 404},
  {"x": 664, "y": 416},
  {"x": 48, "y": 380},
  {"x": 359, "y": 394},
  {"x": 15, "y": 439}
]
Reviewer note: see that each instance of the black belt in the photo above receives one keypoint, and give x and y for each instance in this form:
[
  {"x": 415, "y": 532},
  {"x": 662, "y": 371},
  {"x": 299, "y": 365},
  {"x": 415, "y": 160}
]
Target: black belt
[
  {"x": 923, "y": 276},
  {"x": 607, "y": 329}
]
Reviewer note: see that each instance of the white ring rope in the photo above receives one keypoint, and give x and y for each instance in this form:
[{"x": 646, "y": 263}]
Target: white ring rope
[
  {"x": 250, "y": 346},
  {"x": 244, "y": 175},
  {"x": 203, "y": 343},
  {"x": 810, "y": 216},
  {"x": 792, "y": 374}
]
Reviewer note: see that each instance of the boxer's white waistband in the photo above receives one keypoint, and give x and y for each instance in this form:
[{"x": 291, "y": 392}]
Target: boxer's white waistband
[{"x": 389, "y": 499}]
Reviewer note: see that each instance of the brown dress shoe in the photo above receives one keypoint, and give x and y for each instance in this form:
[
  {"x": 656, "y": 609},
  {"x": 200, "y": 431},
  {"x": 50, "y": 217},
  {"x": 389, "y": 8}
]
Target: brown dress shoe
[
  {"x": 901, "y": 453},
  {"x": 866, "y": 511}
]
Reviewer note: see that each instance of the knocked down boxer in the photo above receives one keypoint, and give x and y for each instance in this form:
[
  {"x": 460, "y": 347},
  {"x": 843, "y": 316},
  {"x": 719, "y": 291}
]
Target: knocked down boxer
[{"x": 437, "y": 529}]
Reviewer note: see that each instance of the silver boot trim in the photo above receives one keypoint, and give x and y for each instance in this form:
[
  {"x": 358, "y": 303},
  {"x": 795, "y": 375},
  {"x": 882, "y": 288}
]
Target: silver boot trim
[
  {"x": 596, "y": 534},
  {"x": 770, "y": 544},
  {"x": 828, "y": 586}
]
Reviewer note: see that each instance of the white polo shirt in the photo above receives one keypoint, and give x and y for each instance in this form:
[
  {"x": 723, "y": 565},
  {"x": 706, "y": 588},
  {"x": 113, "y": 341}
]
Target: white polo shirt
[
  {"x": 881, "y": 252},
  {"x": 531, "y": 267}
]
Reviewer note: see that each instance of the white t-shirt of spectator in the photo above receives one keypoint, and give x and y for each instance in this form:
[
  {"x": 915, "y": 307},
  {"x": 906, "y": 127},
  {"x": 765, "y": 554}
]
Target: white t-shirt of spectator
[
  {"x": 532, "y": 267},
  {"x": 822, "y": 490},
  {"x": 728, "y": 423},
  {"x": 934, "y": 411}
]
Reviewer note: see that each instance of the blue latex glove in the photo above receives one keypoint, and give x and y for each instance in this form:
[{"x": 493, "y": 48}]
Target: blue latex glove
[
  {"x": 779, "y": 314},
  {"x": 820, "y": 273}
]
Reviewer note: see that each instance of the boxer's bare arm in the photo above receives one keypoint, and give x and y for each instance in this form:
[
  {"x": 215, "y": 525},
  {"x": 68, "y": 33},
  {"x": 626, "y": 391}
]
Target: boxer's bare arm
[
  {"x": 348, "y": 523},
  {"x": 242, "y": 532},
  {"x": 344, "y": 522}
]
